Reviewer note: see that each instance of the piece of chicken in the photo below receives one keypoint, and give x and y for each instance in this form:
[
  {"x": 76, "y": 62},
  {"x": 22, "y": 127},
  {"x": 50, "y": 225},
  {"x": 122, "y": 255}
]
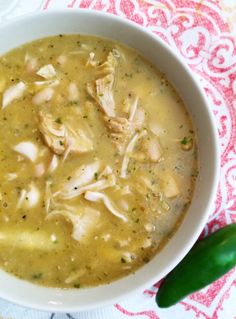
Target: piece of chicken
[
  {"x": 14, "y": 92},
  {"x": 101, "y": 91},
  {"x": 120, "y": 129},
  {"x": 78, "y": 140},
  {"x": 109, "y": 66},
  {"x": 84, "y": 220},
  {"x": 61, "y": 138},
  {"x": 91, "y": 60},
  {"x": 54, "y": 133},
  {"x": 151, "y": 149}
]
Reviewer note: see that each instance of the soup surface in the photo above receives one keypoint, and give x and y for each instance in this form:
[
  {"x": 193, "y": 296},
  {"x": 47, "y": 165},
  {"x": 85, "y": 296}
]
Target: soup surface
[{"x": 97, "y": 161}]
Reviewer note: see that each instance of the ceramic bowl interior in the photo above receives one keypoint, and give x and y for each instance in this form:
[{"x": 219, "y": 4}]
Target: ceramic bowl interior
[{"x": 40, "y": 25}]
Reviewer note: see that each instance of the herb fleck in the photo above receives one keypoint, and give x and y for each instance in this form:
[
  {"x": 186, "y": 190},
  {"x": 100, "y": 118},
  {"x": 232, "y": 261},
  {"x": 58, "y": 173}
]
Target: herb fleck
[
  {"x": 146, "y": 259},
  {"x": 38, "y": 275},
  {"x": 185, "y": 140},
  {"x": 58, "y": 120},
  {"x": 129, "y": 75}
]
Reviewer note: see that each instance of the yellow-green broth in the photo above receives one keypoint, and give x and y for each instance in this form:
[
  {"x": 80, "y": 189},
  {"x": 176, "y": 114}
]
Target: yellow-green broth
[{"x": 36, "y": 241}]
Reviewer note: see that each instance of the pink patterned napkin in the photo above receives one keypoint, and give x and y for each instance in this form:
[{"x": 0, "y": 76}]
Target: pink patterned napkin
[{"x": 202, "y": 31}]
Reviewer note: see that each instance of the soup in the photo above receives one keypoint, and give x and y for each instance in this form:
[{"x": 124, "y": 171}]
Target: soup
[{"x": 98, "y": 161}]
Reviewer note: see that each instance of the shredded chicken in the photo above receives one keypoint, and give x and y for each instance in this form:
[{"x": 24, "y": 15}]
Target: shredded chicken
[
  {"x": 47, "y": 72},
  {"x": 78, "y": 140},
  {"x": 91, "y": 61},
  {"x": 83, "y": 220},
  {"x": 27, "y": 149},
  {"x": 102, "y": 89},
  {"x": 28, "y": 198},
  {"x": 43, "y": 96},
  {"x": 82, "y": 176},
  {"x": 102, "y": 93},
  {"x": 121, "y": 128},
  {"x": 14, "y": 92},
  {"x": 101, "y": 197},
  {"x": 117, "y": 124},
  {"x": 61, "y": 138},
  {"x": 96, "y": 186},
  {"x": 128, "y": 151},
  {"x": 86, "y": 178},
  {"x": 54, "y": 133}
]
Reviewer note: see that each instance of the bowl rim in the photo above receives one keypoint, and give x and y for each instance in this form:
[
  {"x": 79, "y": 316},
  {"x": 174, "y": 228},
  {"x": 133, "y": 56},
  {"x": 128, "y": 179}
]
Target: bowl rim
[{"x": 184, "y": 250}]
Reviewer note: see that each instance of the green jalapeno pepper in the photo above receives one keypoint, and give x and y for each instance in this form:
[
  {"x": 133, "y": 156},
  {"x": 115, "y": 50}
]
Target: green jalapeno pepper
[{"x": 208, "y": 260}]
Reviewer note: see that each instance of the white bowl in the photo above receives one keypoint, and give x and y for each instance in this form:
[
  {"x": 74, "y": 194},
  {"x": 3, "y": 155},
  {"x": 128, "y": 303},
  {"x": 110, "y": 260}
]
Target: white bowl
[{"x": 39, "y": 25}]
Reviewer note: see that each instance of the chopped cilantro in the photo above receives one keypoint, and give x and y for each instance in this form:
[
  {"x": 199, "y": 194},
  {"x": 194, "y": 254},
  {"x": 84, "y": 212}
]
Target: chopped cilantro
[
  {"x": 38, "y": 275},
  {"x": 146, "y": 259},
  {"x": 187, "y": 143},
  {"x": 185, "y": 140},
  {"x": 73, "y": 103},
  {"x": 129, "y": 75},
  {"x": 58, "y": 120}
]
